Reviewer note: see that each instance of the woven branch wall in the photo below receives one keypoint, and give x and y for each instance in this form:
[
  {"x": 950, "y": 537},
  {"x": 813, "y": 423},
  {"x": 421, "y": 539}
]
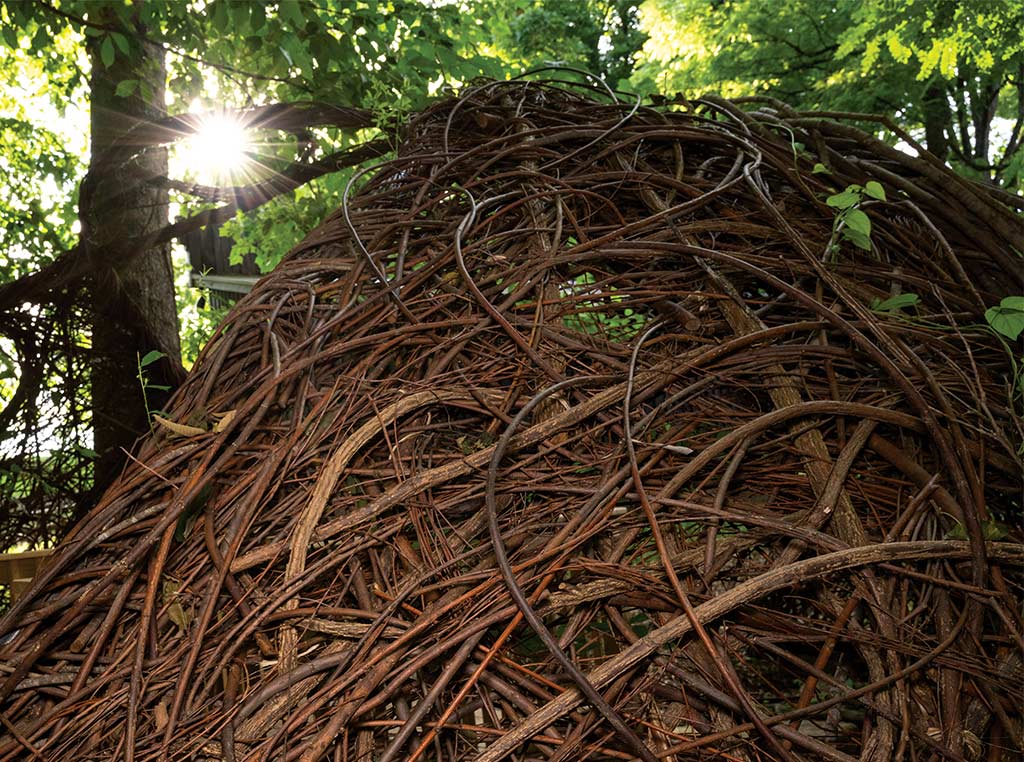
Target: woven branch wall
[{"x": 580, "y": 431}]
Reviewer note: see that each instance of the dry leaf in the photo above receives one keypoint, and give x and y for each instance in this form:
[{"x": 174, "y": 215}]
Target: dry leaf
[
  {"x": 161, "y": 715},
  {"x": 175, "y": 611},
  {"x": 225, "y": 419},
  {"x": 178, "y": 428}
]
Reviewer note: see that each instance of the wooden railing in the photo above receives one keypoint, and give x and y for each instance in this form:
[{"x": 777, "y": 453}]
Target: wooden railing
[{"x": 18, "y": 569}]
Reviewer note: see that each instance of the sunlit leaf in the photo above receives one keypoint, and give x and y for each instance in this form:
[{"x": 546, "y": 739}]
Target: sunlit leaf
[
  {"x": 858, "y": 221},
  {"x": 875, "y": 190},
  {"x": 150, "y": 357},
  {"x": 844, "y": 200}
]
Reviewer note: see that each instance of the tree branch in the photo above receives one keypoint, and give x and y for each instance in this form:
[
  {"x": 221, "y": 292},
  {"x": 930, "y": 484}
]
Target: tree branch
[
  {"x": 290, "y": 117},
  {"x": 75, "y": 263}
]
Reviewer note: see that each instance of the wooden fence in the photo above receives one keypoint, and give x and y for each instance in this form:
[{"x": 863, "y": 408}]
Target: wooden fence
[{"x": 18, "y": 569}]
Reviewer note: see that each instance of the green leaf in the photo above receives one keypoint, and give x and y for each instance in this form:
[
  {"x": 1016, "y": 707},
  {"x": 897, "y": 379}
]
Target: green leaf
[
  {"x": 957, "y": 532},
  {"x": 40, "y": 40},
  {"x": 990, "y": 530},
  {"x": 994, "y": 530},
  {"x": 858, "y": 221},
  {"x": 220, "y": 19},
  {"x": 121, "y": 41},
  {"x": 239, "y": 17},
  {"x": 845, "y": 200},
  {"x": 257, "y": 16},
  {"x": 858, "y": 239},
  {"x": 11, "y": 37},
  {"x": 1008, "y": 317},
  {"x": 897, "y": 302},
  {"x": 875, "y": 190},
  {"x": 820, "y": 169},
  {"x": 107, "y": 51},
  {"x": 126, "y": 87},
  {"x": 291, "y": 11},
  {"x": 151, "y": 357}
]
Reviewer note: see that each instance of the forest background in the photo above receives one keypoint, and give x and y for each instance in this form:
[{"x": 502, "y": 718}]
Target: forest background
[{"x": 103, "y": 107}]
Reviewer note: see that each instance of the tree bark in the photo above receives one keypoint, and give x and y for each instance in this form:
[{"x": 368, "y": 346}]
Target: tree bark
[
  {"x": 133, "y": 303},
  {"x": 935, "y": 105}
]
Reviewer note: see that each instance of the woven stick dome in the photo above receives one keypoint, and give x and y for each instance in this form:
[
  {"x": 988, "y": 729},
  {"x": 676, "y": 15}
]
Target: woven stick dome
[{"x": 582, "y": 430}]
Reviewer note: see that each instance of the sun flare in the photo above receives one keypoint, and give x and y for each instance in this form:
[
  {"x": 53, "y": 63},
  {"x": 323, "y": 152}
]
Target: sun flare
[{"x": 218, "y": 152}]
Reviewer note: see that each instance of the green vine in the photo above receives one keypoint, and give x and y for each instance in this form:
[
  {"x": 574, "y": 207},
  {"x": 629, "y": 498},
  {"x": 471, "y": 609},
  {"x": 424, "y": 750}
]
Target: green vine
[
  {"x": 141, "y": 362},
  {"x": 852, "y": 222}
]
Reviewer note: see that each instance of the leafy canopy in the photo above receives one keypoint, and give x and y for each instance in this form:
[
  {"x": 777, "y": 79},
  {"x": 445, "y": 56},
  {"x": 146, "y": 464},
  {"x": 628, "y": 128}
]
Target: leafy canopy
[{"x": 952, "y": 69}]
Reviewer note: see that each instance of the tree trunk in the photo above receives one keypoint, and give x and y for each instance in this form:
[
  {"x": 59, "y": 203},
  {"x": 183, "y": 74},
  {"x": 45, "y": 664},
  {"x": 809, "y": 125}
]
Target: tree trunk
[
  {"x": 132, "y": 297},
  {"x": 935, "y": 105}
]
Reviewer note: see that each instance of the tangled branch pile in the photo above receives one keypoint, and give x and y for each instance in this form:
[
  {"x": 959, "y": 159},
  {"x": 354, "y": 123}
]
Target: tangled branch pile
[{"x": 581, "y": 431}]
